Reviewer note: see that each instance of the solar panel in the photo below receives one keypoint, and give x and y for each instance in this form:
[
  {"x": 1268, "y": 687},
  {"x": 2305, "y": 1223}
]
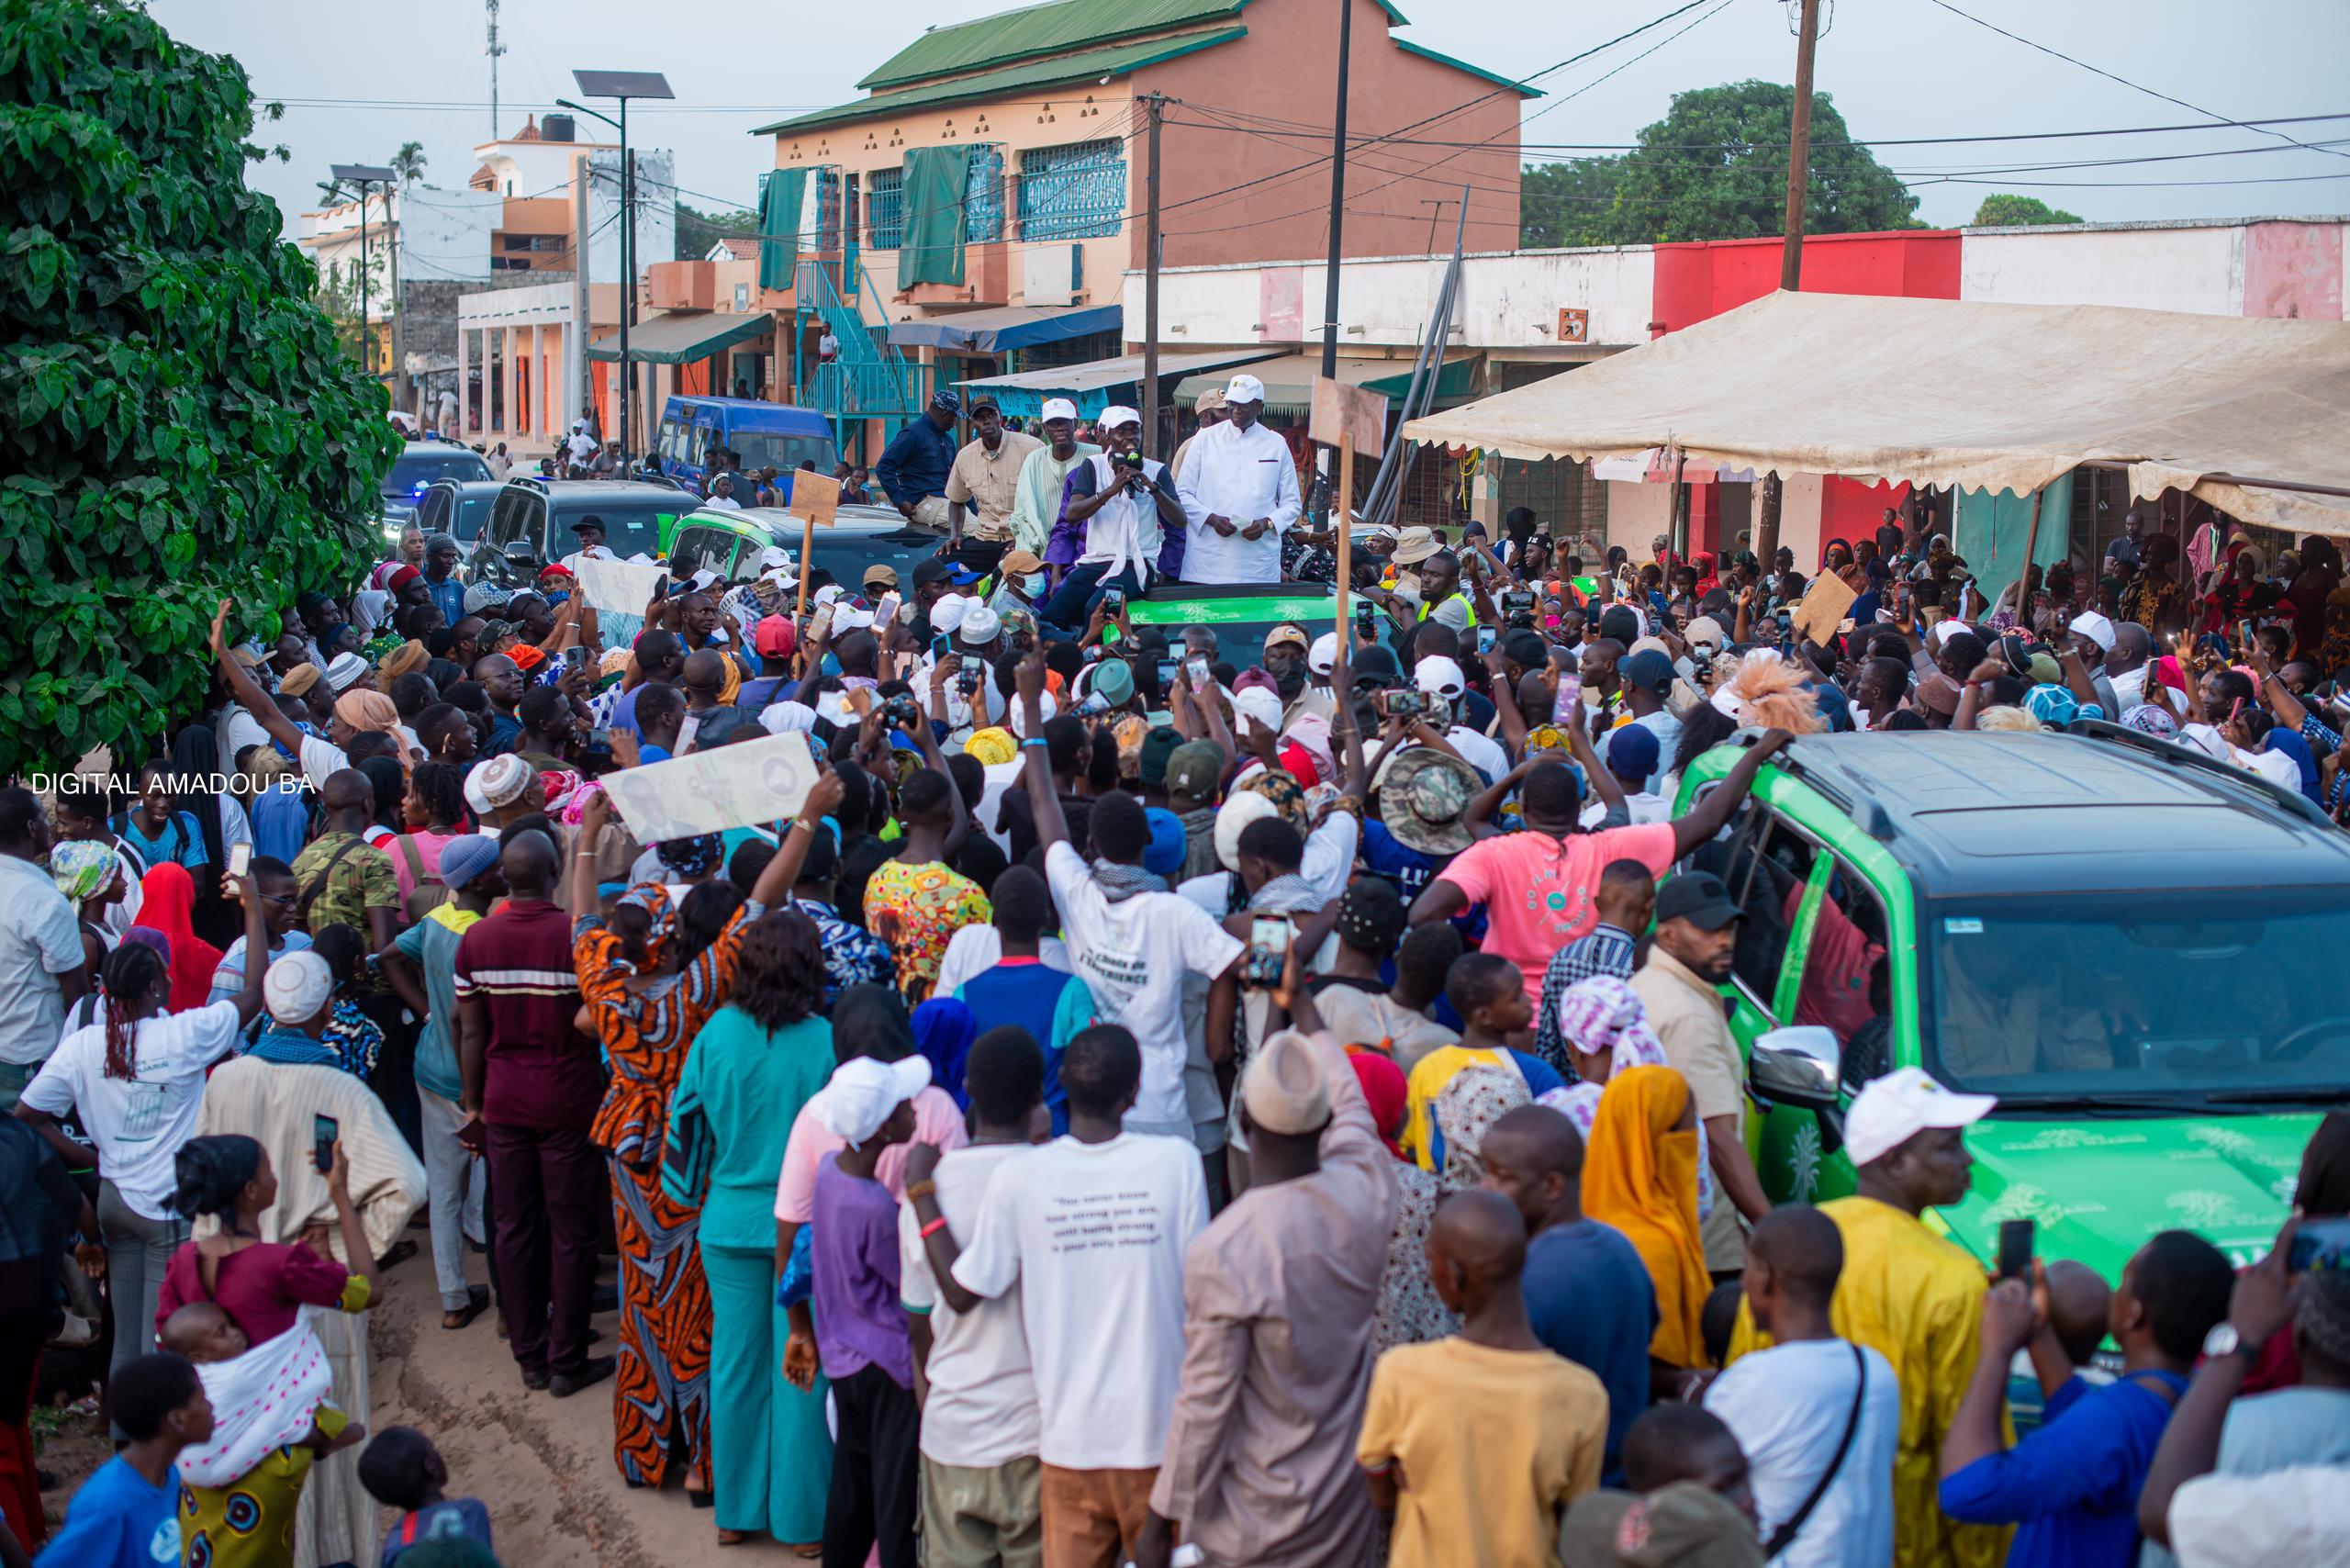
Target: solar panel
[
  {"x": 356, "y": 173},
  {"x": 623, "y": 84}
]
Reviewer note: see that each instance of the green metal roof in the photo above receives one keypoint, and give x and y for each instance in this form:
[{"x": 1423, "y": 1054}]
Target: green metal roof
[
  {"x": 1054, "y": 28},
  {"x": 1518, "y": 87},
  {"x": 994, "y": 84}
]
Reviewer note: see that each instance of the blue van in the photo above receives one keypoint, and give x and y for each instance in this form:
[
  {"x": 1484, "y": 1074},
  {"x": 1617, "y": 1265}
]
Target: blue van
[{"x": 768, "y": 435}]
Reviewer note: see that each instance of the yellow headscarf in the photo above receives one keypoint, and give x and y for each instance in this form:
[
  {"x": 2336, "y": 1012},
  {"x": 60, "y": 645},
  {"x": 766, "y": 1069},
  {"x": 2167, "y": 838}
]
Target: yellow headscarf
[{"x": 1641, "y": 1178}]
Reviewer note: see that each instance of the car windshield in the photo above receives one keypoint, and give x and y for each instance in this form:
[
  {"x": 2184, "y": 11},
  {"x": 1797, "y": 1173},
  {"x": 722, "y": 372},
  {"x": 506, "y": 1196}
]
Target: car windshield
[
  {"x": 472, "y": 513},
  {"x": 411, "y": 471},
  {"x": 768, "y": 449},
  {"x": 2200, "y": 994},
  {"x": 631, "y": 527}
]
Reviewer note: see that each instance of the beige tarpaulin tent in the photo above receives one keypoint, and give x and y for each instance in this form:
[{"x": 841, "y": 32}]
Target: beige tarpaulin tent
[{"x": 1946, "y": 392}]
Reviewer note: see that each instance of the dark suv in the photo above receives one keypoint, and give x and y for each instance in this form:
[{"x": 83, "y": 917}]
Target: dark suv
[{"x": 532, "y": 524}]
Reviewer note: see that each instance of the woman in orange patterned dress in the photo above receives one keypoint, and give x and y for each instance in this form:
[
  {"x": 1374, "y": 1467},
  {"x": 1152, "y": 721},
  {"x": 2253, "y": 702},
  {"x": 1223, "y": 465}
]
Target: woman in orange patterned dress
[{"x": 648, "y": 981}]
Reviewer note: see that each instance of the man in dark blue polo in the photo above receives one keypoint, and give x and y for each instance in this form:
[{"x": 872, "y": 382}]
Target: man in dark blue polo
[{"x": 914, "y": 466}]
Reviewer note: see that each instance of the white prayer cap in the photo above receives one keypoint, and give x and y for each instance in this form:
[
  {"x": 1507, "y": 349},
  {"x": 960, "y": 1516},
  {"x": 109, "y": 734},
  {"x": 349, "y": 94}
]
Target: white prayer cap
[{"x": 297, "y": 986}]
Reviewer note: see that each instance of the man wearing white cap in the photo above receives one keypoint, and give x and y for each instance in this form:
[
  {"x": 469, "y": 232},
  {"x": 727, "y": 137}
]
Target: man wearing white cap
[
  {"x": 981, "y": 487},
  {"x": 1118, "y": 505},
  {"x": 1036, "y": 503},
  {"x": 1911, "y": 1295},
  {"x": 2093, "y": 640},
  {"x": 1239, "y": 493}
]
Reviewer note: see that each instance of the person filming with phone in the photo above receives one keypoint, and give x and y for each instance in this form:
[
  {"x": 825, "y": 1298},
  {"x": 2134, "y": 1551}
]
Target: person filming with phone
[{"x": 1118, "y": 508}]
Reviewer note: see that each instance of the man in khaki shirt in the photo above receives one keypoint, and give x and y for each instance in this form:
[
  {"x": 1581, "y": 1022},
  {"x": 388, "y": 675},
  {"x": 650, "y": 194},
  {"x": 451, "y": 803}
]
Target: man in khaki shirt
[
  {"x": 984, "y": 480},
  {"x": 1697, "y": 930}
]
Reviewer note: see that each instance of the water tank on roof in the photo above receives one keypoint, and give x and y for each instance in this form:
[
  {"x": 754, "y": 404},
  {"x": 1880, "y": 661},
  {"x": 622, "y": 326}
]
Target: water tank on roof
[{"x": 557, "y": 128}]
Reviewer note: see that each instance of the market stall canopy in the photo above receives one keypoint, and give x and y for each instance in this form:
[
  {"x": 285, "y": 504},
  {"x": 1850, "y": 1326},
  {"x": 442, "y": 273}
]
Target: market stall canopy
[
  {"x": 1011, "y": 327},
  {"x": 1289, "y": 380},
  {"x": 1977, "y": 395},
  {"x": 1090, "y": 385},
  {"x": 681, "y": 338}
]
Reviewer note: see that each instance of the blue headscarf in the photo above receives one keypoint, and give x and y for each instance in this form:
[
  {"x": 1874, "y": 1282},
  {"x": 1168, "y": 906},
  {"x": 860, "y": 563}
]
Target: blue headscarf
[
  {"x": 943, "y": 1030},
  {"x": 2292, "y": 744},
  {"x": 2052, "y": 704}
]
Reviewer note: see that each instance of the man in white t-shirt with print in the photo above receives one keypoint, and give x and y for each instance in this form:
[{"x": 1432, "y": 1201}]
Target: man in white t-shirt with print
[
  {"x": 1130, "y": 940},
  {"x": 1789, "y": 1407},
  {"x": 1093, "y": 1229},
  {"x": 979, "y": 1470}
]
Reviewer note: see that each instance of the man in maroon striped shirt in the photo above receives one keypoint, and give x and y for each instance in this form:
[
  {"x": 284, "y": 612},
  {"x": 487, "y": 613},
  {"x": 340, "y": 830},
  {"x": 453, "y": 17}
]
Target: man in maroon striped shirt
[{"x": 532, "y": 1083}]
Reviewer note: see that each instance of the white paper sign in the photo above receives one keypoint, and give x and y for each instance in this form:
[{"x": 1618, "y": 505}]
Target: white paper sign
[
  {"x": 618, "y": 585},
  {"x": 709, "y": 792}
]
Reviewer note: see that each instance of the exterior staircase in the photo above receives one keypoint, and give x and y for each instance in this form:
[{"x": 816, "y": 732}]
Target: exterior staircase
[{"x": 870, "y": 379}]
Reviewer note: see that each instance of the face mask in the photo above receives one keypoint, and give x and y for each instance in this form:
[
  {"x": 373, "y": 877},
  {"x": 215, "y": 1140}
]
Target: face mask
[
  {"x": 1033, "y": 586},
  {"x": 832, "y": 666}
]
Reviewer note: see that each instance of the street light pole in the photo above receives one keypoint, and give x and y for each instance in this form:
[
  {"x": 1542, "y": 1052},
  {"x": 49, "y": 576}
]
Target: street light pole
[
  {"x": 624, "y": 86},
  {"x": 1767, "y": 521},
  {"x": 363, "y": 176}
]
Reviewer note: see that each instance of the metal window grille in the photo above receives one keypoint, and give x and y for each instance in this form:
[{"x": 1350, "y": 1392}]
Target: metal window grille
[
  {"x": 885, "y": 208},
  {"x": 984, "y": 194},
  {"x": 1076, "y": 192}
]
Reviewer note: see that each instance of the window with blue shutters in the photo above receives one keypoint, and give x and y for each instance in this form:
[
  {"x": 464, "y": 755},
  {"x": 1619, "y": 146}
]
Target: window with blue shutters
[
  {"x": 885, "y": 208},
  {"x": 1076, "y": 192},
  {"x": 984, "y": 194}
]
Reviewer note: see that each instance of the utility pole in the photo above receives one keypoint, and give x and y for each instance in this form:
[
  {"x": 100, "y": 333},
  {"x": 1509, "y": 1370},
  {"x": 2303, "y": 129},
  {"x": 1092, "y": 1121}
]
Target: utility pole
[
  {"x": 1337, "y": 195},
  {"x": 493, "y": 48},
  {"x": 1766, "y": 524},
  {"x": 361, "y": 176},
  {"x": 1151, "y": 107},
  {"x": 392, "y": 244},
  {"x": 581, "y": 327},
  {"x": 627, "y": 285}
]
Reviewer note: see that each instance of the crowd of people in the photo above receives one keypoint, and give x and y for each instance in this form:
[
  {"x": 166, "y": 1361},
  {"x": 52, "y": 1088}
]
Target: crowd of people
[{"x": 1141, "y": 1106}]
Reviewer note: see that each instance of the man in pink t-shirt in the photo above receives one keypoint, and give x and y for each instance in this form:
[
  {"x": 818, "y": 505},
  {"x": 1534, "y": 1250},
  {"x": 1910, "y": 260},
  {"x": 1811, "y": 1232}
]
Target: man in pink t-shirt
[{"x": 1538, "y": 886}]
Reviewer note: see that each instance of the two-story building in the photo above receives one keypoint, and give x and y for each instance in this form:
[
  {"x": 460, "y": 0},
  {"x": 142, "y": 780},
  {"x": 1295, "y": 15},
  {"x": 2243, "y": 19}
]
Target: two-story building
[{"x": 980, "y": 209}]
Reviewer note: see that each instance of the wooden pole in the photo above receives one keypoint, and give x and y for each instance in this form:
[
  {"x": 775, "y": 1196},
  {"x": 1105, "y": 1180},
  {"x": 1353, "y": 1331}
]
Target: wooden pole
[
  {"x": 1767, "y": 521},
  {"x": 1344, "y": 518},
  {"x": 2023, "y": 573}
]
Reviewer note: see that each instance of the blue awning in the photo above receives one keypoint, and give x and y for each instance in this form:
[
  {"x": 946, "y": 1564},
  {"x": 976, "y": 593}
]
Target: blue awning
[{"x": 1009, "y": 327}]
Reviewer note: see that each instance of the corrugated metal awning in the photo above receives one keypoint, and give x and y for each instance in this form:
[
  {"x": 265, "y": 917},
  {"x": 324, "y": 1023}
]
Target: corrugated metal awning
[
  {"x": 682, "y": 337},
  {"x": 1007, "y": 327}
]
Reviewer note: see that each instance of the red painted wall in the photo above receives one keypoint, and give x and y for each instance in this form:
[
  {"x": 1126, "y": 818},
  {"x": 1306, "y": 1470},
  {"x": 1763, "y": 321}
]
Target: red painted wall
[
  {"x": 1849, "y": 510},
  {"x": 1702, "y": 279}
]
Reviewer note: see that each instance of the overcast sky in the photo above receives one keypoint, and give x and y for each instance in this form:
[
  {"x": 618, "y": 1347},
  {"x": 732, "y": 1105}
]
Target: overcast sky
[{"x": 1896, "y": 69}]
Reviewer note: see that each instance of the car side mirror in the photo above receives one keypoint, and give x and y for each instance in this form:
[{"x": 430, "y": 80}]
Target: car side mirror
[
  {"x": 1795, "y": 1066},
  {"x": 523, "y": 553}
]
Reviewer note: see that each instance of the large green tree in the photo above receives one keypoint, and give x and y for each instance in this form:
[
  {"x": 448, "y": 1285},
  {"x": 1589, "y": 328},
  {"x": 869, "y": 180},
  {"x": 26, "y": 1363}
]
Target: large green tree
[
  {"x": 698, "y": 231},
  {"x": 178, "y": 423},
  {"x": 1716, "y": 168},
  {"x": 1568, "y": 203},
  {"x": 2004, "y": 210}
]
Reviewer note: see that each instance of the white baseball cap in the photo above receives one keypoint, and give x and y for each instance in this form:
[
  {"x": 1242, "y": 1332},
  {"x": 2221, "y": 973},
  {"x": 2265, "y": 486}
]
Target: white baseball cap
[
  {"x": 864, "y": 1092},
  {"x": 1261, "y": 705},
  {"x": 1058, "y": 408},
  {"x": 1116, "y": 415},
  {"x": 2096, "y": 628},
  {"x": 1896, "y": 1108},
  {"x": 1323, "y": 657},
  {"x": 1245, "y": 389},
  {"x": 1440, "y": 675},
  {"x": 946, "y": 615}
]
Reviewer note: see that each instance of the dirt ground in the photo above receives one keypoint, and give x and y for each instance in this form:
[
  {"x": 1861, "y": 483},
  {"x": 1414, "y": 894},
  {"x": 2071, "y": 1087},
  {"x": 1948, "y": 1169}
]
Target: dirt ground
[{"x": 543, "y": 1465}]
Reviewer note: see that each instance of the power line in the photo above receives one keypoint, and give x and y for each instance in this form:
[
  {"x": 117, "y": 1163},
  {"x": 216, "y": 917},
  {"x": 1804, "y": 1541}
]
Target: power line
[{"x": 2124, "y": 81}]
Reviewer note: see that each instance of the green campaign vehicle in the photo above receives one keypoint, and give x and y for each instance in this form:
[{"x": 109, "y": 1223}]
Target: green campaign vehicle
[{"x": 2129, "y": 944}]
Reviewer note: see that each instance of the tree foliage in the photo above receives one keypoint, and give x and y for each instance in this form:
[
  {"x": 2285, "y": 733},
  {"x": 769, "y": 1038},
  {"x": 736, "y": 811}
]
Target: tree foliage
[
  {"x": 1716, "y": 168},
  {"x": 177, "y": 421},
  {"x": 698, "y": 231},
  {"x": 2002, "y": 210}
]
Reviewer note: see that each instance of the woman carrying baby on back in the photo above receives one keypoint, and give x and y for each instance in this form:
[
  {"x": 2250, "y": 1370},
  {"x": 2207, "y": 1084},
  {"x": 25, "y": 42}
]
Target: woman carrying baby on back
[{"x": 235, "y": 1304}]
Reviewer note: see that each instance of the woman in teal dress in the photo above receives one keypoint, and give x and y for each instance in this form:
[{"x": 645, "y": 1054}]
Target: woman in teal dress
[{"x": 754, "y": 1065}]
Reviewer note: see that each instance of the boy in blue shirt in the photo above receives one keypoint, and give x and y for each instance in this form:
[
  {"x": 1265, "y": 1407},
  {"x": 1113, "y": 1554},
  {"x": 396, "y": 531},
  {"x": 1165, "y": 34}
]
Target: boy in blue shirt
[
  {"x": 401, "y": 1469},
  {"x": 126, "y": 1515},
  {"x": 2072, "y": 1486}
]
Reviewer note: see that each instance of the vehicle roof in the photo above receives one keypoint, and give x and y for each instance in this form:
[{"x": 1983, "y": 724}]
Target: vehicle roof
[
  {"x": 1973, "y": 813},
  {"x": 412, "y": 445},
  {"x": 1185, "y": 604},
  {"x": 567, "y": 493},
  {"x": 757, "y": 404},
  {"x": 470, "y": 487},
  {"x": 781, "y": 523}
]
